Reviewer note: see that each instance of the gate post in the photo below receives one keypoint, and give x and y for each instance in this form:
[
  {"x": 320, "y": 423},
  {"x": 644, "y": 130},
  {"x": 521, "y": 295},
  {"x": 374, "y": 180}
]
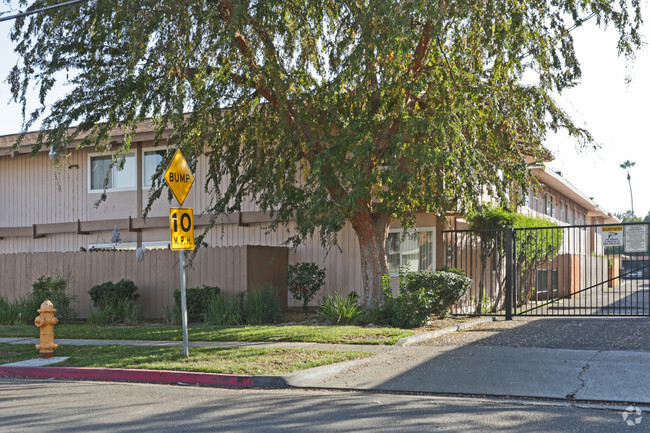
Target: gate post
[{"x": 509, "y": 261}]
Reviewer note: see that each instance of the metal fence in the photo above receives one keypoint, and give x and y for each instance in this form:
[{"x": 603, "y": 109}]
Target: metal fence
[{"x": 570, "y": 271}]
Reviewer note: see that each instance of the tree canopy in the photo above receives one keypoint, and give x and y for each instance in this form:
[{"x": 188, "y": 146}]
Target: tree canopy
[{"x": 323, "y": 112}]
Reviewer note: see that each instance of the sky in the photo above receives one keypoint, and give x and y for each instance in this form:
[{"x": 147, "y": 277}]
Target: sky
[{"x": 615, "y": 112}]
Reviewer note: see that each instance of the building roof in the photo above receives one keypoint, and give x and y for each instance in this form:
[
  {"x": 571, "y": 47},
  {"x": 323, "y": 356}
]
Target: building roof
[{"x": 563, "y": 186}]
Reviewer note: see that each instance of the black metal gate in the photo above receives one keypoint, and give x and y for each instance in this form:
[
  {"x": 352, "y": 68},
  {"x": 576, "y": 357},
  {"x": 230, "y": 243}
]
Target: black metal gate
[{"x": 586, "y": 270}]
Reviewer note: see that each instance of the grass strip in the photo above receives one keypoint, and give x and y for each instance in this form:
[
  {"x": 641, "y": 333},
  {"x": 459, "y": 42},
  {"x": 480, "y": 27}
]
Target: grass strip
[
  {"x": 293, "y": 333},
  {"x": 253, "y": 361}
]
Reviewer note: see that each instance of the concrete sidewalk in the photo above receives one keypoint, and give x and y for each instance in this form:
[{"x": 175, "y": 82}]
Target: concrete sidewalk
[
  {"x": 609, "y": 376},
  {"x": 564, "y": 374}
]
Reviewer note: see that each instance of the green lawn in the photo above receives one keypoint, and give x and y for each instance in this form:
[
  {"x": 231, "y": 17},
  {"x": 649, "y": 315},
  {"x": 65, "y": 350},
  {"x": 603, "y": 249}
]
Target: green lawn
[
  {"x": 292, "y": 333},
  {"x": 202, "y": 359}
]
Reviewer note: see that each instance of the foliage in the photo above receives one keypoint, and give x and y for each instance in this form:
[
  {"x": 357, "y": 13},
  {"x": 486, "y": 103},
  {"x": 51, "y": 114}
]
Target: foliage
[
  {"x": 110, "y": 293},
  {"x": 630, "y": 217},
  {"x": 340, "y": 310},
  {"x": 359, "y": 101},
  {"x": 536, "y": 240},
  {"x": 403, "y": 310},
  {"x": 9, "y": 312},
  {"x": 172, "y": 314},
  {"x": 490, "y": 216},
  {"x": 262, "y": 306},
  {"x": 534, "y": 245},
  {"x": 456, "y": 271},
  {"x": 441, "y": 289},
  {"x": 115, "y": 303},
  {"x": 304, "y": 281},
  {"x": 54, "y": 289},
  {"x": 627, "y": 165},
  {"x": 20, "y": 311},
  {"x": 122, "y": 311},
  {"x": 222, "y": 311},
  {"x": 197, "y": 299},
  {"x": 421, "y": 294}
]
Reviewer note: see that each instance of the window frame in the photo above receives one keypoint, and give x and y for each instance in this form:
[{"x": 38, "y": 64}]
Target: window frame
[
  {"x": 131, "y": 153},
  {"x": 431, "y": 229},
  {"x": 145, "y": 150}
]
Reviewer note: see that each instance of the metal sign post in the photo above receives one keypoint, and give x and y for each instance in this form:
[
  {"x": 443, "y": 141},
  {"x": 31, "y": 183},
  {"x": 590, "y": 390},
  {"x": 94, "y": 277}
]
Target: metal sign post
[
  {"x": 181, "y": 224},
  {"x": 181, "y": 259}
]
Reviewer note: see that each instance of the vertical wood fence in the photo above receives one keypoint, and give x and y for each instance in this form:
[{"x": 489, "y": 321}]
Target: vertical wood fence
[{"x": 233, "y": 269}]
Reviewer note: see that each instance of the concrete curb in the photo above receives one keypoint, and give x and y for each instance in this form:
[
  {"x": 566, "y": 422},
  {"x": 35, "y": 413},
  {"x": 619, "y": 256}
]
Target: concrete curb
[
  {"x": 407, "y": 341},
  {"x": 130, "y": 375}
]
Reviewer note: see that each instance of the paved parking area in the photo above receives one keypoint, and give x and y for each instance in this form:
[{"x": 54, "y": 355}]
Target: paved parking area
[{"x": 589, "y": 333}]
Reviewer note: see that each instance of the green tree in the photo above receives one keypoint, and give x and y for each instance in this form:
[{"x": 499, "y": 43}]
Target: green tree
[
  {"x": 537, "y": 241},
  {"x": 323, "y": 112},
  {"x": 628, "y": 217},
  {"x": 627, "y": 165}
]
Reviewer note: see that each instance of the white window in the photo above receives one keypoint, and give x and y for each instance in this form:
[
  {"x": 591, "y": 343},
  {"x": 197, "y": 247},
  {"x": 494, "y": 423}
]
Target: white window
[
  {"x": 413, "y": 249},
  {"x": 151, "y": 158},
  {"x": 118, "y": 179}
]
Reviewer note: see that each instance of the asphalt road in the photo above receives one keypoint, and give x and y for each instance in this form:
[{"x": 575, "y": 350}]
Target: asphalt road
[{"x": 58, "y": 406}]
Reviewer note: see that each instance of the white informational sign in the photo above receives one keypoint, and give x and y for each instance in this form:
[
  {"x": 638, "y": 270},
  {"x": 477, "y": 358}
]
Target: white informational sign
[
  {"x": 636, "y": 238},
  {"x": 613, "y": 236}
]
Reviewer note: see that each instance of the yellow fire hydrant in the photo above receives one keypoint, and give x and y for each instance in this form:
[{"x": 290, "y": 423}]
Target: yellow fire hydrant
[{"x": 46, "y": 322}]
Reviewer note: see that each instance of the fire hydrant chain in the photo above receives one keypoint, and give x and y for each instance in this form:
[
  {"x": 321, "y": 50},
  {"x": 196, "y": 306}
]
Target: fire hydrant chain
[{"x": 46, "y": 322}]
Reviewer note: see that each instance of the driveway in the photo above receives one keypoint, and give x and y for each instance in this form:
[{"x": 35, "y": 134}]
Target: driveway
[{"x": 586, "y": 359}]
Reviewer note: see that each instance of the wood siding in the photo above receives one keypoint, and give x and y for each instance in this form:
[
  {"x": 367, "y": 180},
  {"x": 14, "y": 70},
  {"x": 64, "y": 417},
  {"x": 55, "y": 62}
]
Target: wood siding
[{"x": 233, "y": 269}]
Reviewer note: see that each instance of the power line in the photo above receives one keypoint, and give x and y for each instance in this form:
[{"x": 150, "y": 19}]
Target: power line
[{"x": 36, "y": 11}]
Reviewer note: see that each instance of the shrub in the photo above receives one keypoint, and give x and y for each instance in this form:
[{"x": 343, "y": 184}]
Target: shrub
[
  {"x": 124, "y": 311},
  {"x": 172, "y": 314},
  {"x": 304, "y": 281},
  {"x": 20, "y": 311},
  {"x": 340, "y": 310},
  {"x": 197, "y": 299},
  {"x": 9, "y": 312},
  {"x": 421, "y": 295},
  {"x": 28, "y": 308},
  {"x": 456, "y": 271},
  {"x": 403, "y": 310},
  {"x": 262, "y": 305},
  {"x": 441, "y": 289},
  {"x": 54, "y": 289},
  {"x": 114, "y": 303},
  {"x": 113, "y": 293},
  {"x": 222, "y": 311}
]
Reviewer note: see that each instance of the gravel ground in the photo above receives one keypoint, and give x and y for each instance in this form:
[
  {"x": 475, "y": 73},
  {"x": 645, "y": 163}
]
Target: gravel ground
[{"x": 555, "y": 333}]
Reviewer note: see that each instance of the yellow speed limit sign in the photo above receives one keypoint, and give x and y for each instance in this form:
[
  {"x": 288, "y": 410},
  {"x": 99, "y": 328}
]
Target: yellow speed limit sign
[{"x": 181, "y": 224}]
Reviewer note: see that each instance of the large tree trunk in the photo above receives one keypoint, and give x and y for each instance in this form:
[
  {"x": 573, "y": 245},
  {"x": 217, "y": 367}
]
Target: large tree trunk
[{"x": 372, "y": 231}]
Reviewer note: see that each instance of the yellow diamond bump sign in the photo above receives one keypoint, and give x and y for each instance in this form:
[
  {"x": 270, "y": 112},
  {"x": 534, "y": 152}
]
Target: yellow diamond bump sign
[{"x": 179, "y": 177}]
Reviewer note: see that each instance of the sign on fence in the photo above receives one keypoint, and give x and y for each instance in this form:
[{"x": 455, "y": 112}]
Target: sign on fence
[
  {"x": 636, "y": 238},
  {"x": 613, "y": 236}
]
